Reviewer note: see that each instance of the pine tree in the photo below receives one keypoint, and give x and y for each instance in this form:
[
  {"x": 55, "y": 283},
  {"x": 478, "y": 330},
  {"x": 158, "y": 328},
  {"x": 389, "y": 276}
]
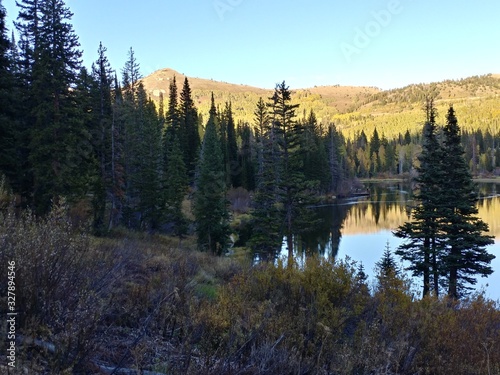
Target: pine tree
[
  {"x": 172, "y": 115},
  {"x": 60, "y": 145},
  {"x": 387, "y": 267},
  {"x": 117, "y": 159},
  {"x": 176, "y": 183},
  {"x": 388, "y": 276},
  {"x": 267, "y": 233},
  {"x": 261, "y": 122},
  {"x": 267, "y": 215},
  {"x": 189, "y": 136},
  {"x": 143, "y": 157},
  {"x": 293, "y": 190},
  {"x": 132, "y": 131},
  {"x": 246, "y": 157},
  {"x": 466, "y": 255},
  {"x": 210, "y": 204},
  {"x": 233, "y": 164},
  {"x": 149, "y": 170},
  {"x": 102, "y": 111},
  {"x": 172, "y": 129},
  {"x": 423, "y": 248},
  {"x": 315, "y": 161},
  {"x": 335, "y": 150},
  {"x": 175, "y": 178},
  {"x": 374, "y": 153},
  {"x": 8, "y": 162}
]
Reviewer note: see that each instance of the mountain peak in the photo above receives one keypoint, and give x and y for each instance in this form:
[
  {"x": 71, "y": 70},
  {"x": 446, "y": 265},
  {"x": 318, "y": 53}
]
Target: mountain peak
[{"x": 330, "y": 103}]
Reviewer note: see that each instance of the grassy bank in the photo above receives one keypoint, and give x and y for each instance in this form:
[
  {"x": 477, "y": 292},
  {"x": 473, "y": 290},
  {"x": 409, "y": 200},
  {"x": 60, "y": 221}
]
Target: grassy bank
[{"x": 134, "y": 303}]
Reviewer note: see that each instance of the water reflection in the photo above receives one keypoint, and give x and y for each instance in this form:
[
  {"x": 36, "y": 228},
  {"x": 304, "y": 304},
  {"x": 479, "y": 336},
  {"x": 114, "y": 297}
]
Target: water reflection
[
  {"x": 387, "y": 207},
  {"x": 361, "y": 227}
]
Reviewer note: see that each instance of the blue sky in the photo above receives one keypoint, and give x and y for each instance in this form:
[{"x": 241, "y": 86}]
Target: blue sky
[{"x": 383, "y": 43}]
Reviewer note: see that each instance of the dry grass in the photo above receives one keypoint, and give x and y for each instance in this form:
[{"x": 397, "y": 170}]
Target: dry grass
[{"x": 149, "y": 303}]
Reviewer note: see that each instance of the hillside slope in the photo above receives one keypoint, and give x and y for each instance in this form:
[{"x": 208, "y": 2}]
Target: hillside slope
[{"x": 352, "y": 109}]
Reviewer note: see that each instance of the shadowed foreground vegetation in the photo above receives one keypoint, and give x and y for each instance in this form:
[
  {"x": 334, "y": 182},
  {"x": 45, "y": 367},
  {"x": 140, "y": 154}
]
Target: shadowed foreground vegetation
[{"x": 133, "y": 303}]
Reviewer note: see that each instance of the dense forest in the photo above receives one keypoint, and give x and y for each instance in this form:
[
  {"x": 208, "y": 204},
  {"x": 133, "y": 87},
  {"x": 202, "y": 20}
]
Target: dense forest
[{"x": 118, "y": 211}]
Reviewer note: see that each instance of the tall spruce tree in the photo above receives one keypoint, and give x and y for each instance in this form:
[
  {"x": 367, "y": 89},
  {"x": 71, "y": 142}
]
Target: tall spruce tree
[
  {"x": 189, "y": 136},
  {"x": 466, "y": 255},
  {"x": 8, "y": 162},
  {"x": 247, "y": 156},
  {"x": 423, "y": 245},
  {"x": 374, "y": 153},
  {"x": 172, "y": 121},
  {"x": 315, "y": 161},
  {"x": 132, "y": 130},
  {"x": 117, "y": 159},
  {"x": 261, "y": 121},
  {"x": 233, "y": 163},
  {"x": 143, "y": 153},
  {"x": 267, "y": 233},
  {"x": 175, "y": 178},
  {"x": 150, "y": 167},
  {"x": 293, "y": 192},
  {"x": 59, "y": 140},
  {"x": 335, "y": 149},
  {"x": 102, "y": 112},
  {"x": 210, "y": 203},
  {"x": 176, "y": 183}
]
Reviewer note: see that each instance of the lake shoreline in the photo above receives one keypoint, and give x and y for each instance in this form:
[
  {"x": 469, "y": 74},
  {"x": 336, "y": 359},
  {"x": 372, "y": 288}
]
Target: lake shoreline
[{"x": 406, "y": 179}]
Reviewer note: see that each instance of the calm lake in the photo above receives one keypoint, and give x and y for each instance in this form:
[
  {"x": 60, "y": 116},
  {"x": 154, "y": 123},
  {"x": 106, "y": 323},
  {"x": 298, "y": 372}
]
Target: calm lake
[{"x": 361, "y": 228}]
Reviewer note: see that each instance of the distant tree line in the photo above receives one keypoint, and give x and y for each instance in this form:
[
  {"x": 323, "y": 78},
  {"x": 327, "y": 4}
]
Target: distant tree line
[
  {"x": 376, "y": 155},
  {"x": 98, "y": 141},
  {"x": 94, "y": 138}
]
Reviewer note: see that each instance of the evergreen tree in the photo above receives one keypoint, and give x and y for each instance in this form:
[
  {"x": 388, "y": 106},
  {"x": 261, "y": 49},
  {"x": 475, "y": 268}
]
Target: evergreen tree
[
  {"x": 423, "y": 248},
  {"x": 261, "y": 122},
  {"x": 60, "y": 145},
  {"x": 233, "y": 164},
  {"x": 149, "y": 174},
  {"x": 466, "y": 255},
  {"x": 172, "y": 124},
  {"x": 293, "y": 190},
  {"x": 335, "y": 148},
  {"x": 161, "y": 110},
  {"x": 176, "y": 188},
  {"x": 189, "y": 136},
  {"x": 143, "y": 153},
  {"x": 172, "y": 129},
  {"x": 387, "y": 267},
  {"x": 246, "y": 158},
  {"x": 210, "y": 204},
  {"x": 172, "y": 116},
  {"x": 8, "y": 162},
  {"x": 407, "y": 138},
  {"x": 221, "y": 121},
  {"x": 267, "y": 234},
  {"x": 388, "y": 277},
  {"x": 117, "y": 158},
  {"x": 102, "y": 112},
  {"x": 315, "y": 161},
  {"x": 374, "y": 153},
  {"x": 374, "y": 143},
  {"x": 132, "y": 131}
]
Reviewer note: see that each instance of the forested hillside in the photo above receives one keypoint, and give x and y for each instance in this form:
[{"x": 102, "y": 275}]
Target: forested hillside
[
  {"x": 352, "y": 109},
  {"x": 142, "y": 220},
  {"x": 360, "y": 112}
]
